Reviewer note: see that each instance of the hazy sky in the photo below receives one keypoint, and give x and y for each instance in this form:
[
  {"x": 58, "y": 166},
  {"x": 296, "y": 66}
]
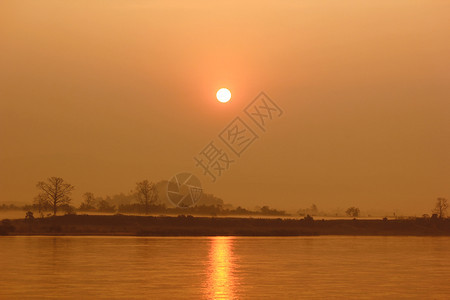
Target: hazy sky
[{"x": 106, "y": 93}]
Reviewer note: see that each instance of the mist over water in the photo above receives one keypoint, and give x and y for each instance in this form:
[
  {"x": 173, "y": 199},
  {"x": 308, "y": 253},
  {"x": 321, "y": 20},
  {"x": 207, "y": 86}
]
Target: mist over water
[{"x": 224, "y": 267}]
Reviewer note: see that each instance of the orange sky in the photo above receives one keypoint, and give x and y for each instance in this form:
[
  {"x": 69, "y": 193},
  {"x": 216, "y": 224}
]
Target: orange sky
[{"x": 106, "y": 93}]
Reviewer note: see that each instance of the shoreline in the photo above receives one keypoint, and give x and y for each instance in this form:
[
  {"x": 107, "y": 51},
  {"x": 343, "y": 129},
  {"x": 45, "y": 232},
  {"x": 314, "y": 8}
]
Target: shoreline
[{"x": 189, "y": 226}]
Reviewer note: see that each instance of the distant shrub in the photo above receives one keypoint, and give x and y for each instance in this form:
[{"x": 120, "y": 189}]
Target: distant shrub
[
  {"x": 353, "y": 212},
  {"x": 29, "y": 216}
]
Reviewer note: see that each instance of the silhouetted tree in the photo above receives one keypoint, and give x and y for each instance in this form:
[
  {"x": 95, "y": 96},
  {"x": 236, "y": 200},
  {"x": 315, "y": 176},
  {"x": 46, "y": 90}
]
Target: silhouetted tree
[
  {"x": 105, "y": 206},
  {"x": 146, "y": 193},
  {"x": 56, "y": 192},
  {"x": 308, "y": 219},
  {"x": 68, "y": 209},
  {"x": 42, "y": 203},
  {"x": 265, "y": 210},
  {"x": 88, "y": 203},
  {"x": 29, "y": 216},
  {"x": 441, "y": 207},
  {"x": 352, "y": 212},
  {"x": 209, "y": 199},
  {"x": 313, "y": 210}
]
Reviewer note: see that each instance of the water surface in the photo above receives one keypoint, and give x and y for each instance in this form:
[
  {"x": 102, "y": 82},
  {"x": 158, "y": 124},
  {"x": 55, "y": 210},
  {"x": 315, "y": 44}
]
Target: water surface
[{"x": 224, "y": 267}]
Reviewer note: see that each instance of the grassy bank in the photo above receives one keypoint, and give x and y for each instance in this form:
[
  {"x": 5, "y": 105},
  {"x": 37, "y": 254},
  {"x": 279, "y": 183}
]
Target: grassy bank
[{"x": 210, "y": 226}]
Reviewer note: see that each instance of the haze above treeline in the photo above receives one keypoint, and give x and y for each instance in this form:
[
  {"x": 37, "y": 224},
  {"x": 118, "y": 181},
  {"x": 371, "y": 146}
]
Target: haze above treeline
[
  {"x": 54, "y": 196},
  {"x": 106, "y": 93}
]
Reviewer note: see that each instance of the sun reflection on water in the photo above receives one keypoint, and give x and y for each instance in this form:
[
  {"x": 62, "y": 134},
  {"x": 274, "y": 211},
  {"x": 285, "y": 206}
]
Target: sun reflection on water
[{"x": 221, "y": 281}]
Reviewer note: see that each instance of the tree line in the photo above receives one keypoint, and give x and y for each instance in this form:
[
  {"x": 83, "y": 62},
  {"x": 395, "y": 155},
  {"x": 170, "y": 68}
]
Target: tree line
[
  {"x": 314, "y": 211},
  {"x": 439, "y": 210},
  {"x": 55, "y": 195}
]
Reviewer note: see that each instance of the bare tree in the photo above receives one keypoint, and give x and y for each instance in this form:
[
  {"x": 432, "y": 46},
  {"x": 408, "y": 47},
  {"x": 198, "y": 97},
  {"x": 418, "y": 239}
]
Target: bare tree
[
  {"x": 313, "y": 211},
  {"x": 41, "y": 200},
  {"x": 56, "y": 192},
  {"x": 353, "y": 212},
  {"x": 441, "y": 207},
  {"x": 105, "y": 206},
  {"x": 88, "y": 202},
  {"x": 146, "y": 193}
]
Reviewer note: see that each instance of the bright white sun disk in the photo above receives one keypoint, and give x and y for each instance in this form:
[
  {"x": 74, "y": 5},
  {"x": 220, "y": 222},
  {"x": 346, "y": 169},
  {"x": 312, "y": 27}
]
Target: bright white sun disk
[{"x": 223, "y": 95}]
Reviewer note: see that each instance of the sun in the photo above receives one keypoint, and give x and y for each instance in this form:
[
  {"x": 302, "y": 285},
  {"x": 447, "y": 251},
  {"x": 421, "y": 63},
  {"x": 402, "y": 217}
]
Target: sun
[{"x": 223, "y": 95}]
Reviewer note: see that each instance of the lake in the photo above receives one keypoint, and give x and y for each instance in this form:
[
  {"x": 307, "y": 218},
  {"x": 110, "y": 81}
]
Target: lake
[{"x": 224, "y": 267}]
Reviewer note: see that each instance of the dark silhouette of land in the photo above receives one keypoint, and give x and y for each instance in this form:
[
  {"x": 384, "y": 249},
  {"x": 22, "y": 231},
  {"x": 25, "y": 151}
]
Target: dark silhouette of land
[
  {"x": 55, "y": 193},
  {"x": 223, "y": 226}
]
